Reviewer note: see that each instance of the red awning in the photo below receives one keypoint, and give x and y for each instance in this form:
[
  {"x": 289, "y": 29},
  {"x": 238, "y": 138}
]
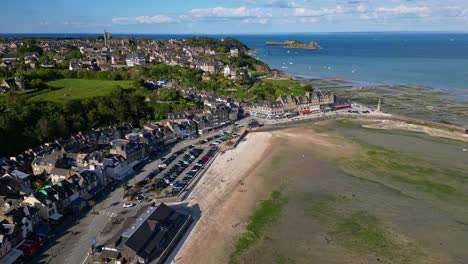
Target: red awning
[{"x": 342, "y": 106}]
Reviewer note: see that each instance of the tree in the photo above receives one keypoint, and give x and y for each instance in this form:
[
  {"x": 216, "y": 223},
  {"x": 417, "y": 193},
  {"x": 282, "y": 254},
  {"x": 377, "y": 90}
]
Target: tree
[
  {"x": 73, "y": 54},
  {"x": 308, "y": 88},
  {"x": 158, "y": 193},
  {"x": 229, "y": 137},
  {"x": 221, "y": 49},
  {"x": 92, "y": 204},
  {"x": 32, "y": 48},
  {"x": 42, "y": 59},
  {"x": 37, "y": 184},
  {"x": 37, "y": 84}
]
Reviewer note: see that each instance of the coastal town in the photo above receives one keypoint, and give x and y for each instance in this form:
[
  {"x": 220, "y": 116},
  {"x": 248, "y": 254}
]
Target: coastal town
[
  {"x": 108, "y": 54},
  {"x": 137, "y": 192},
  {"x": 48, "y": 188},
  {"x": 237, "y": 132}
]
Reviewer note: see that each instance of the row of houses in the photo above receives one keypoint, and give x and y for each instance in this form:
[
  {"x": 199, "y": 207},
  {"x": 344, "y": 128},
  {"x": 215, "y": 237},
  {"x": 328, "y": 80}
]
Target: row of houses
[{"x": 287, "y": 104}]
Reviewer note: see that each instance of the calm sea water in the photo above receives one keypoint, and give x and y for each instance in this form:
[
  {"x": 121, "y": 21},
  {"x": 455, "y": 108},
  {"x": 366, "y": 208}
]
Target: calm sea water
[{"x": 439, "y": 60}]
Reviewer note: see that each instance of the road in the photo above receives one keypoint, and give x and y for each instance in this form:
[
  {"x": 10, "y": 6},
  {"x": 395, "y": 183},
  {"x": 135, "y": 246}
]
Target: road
[{"x": 73, "y": 249}]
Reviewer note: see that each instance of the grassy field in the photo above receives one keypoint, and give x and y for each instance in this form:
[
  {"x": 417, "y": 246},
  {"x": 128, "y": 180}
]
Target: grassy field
[
  {"x": 266, "y": 214},
  {"x": 285, "y": 86},
  {"x": 78, "y": 89}
]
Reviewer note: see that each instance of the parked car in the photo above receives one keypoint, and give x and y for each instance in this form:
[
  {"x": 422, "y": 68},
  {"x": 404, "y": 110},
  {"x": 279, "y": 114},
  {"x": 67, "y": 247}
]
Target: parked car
[{"x": 128, "y": 205}]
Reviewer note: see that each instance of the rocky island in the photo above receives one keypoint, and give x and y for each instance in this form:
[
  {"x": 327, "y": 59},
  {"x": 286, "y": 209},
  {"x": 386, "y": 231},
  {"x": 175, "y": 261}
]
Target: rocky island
[{"x": 294, "y": 44}]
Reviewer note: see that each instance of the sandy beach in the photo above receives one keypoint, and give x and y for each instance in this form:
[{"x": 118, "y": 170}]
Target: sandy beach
[{"x": 226, "y": 195}]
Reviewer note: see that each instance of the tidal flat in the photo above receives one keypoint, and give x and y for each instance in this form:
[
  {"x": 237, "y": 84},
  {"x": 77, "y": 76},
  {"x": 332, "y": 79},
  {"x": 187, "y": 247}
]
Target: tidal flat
[
  {"x": 413, "y": 101},
  {"x": 357, "y": 195}
]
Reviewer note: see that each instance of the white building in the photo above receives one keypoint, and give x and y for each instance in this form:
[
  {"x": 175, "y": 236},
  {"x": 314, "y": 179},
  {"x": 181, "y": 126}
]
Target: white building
[
  {"x": 227, "y": 71},
  {"x": 234, "y": 52},
  {"x": 135, "y": 59}
]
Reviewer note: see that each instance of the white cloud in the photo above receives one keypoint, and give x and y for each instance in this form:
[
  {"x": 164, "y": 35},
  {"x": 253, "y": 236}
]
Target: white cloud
[
  {"x": 361, "y": 8},
  {"x": 225, "y": 12},
  {"x": 159, "y": 19},
  {"x": 309, "y": 20},
  {"x": 454, "y": 12},
  {"x": 247, "y": 15},
  {"x": 308, "y": 12},
  {"x": 421, "y": 11},
  {"x": 282, "y": 4},
  {"x": 262, "y": 21}
]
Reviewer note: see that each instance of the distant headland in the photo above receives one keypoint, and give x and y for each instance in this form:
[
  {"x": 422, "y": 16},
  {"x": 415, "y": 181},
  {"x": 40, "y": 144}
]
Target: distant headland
[{"x": 294, "y": 44}]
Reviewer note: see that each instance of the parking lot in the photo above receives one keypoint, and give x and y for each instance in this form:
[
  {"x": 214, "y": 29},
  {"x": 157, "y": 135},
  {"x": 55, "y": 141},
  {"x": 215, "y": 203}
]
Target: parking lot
[{"x": 176, "y": 171}]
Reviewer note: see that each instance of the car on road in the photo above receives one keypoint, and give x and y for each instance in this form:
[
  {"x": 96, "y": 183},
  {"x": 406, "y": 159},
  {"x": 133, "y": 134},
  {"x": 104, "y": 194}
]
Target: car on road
[{"x": 128, "y": 205}]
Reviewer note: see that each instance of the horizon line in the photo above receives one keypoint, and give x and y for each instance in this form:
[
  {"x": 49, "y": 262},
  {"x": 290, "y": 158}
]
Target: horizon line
[{"x": 243, "y": 33}]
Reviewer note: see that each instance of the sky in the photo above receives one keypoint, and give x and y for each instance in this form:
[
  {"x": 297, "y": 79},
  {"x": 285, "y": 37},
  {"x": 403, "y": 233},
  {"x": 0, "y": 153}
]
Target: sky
[{"x": 231, "y": 16}]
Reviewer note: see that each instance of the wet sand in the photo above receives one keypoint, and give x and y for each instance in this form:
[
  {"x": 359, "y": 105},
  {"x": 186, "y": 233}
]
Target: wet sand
[
  {"x": 413, "y": 101},
  {"x": 413, "y": 212},
  {"x": 335, "y": 215}
]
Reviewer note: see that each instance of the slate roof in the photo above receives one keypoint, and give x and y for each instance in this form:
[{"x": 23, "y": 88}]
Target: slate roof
[{"x": 155, "y": 232}]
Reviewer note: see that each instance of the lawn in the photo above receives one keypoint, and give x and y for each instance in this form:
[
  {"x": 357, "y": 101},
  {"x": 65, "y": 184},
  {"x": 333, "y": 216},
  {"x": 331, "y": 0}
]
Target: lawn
[{"x": 78, "y": 89}]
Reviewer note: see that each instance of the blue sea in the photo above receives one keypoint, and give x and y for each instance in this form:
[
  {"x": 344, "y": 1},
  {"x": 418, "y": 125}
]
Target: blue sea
[{"x": 438, "y": 60}]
